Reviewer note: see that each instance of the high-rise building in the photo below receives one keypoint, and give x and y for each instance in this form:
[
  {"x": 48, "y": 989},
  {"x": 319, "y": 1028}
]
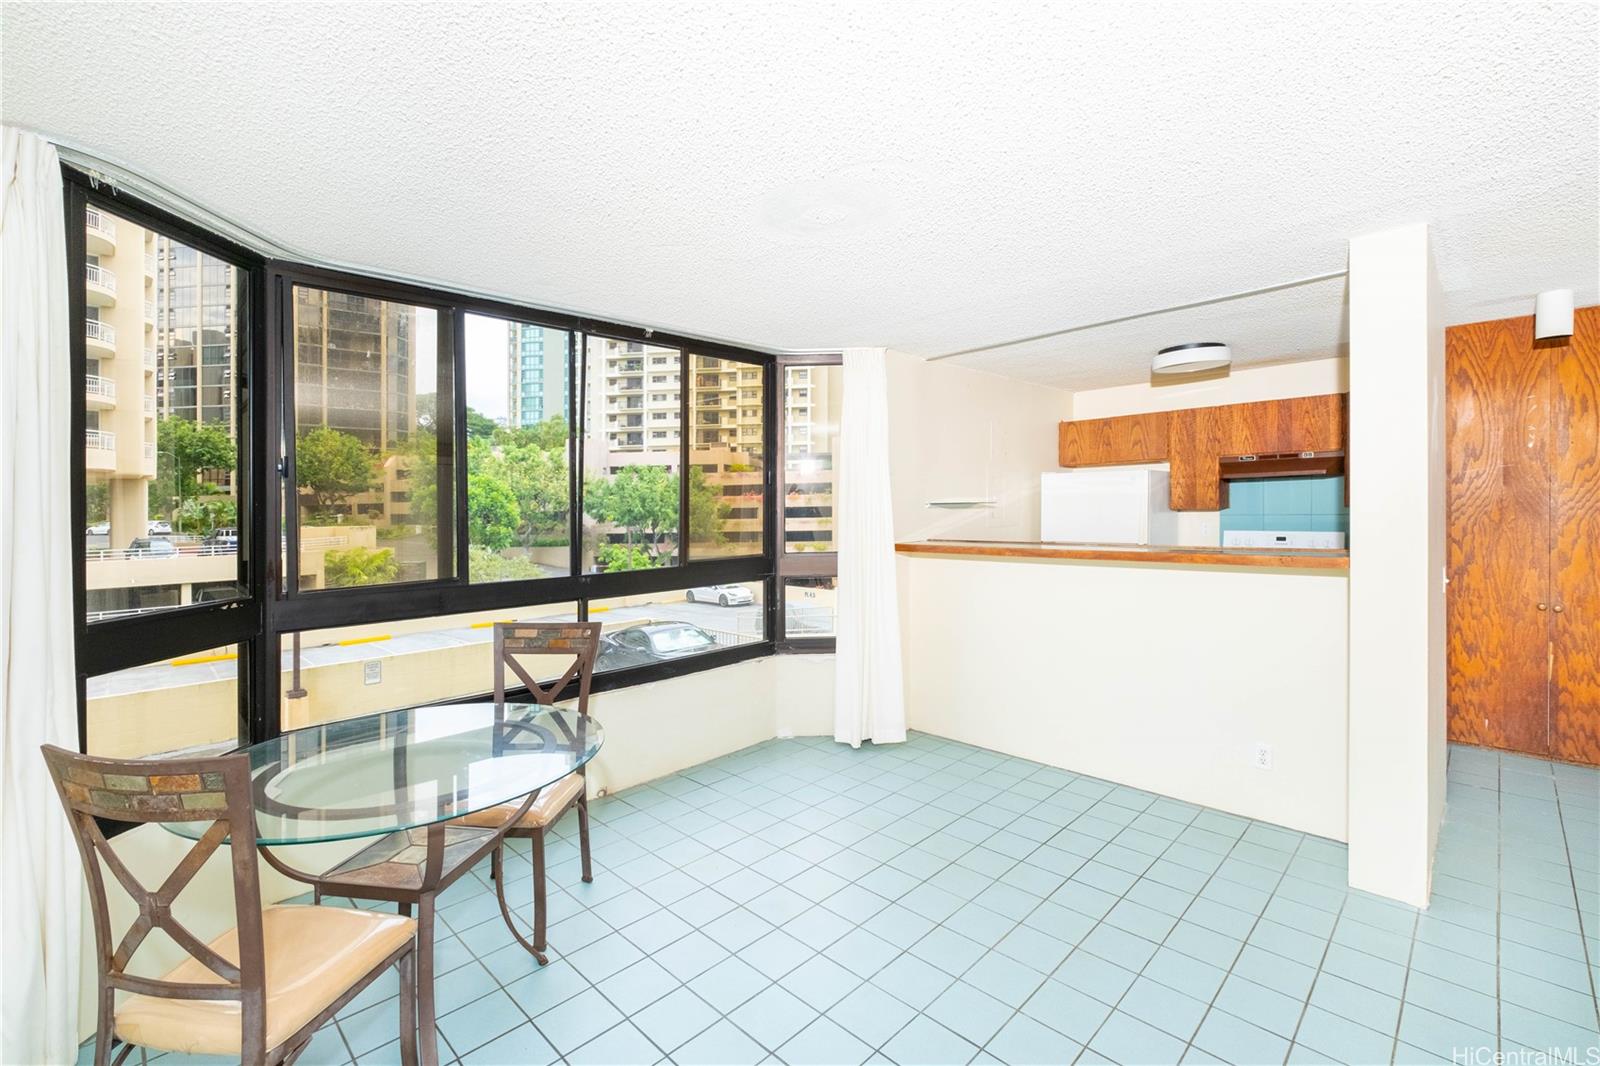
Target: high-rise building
[
  {"x": 355, "y": 366},
  {"x": 631, "y": 411},
  {"x": 196, "y": 346},
  {"x": 536, "y": 374},
  {"x": 119, "y": 391}
]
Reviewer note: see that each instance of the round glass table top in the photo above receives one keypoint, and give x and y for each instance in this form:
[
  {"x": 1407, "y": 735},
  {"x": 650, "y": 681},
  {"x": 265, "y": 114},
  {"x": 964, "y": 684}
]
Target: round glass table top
[{"x": 401, "y": 769}]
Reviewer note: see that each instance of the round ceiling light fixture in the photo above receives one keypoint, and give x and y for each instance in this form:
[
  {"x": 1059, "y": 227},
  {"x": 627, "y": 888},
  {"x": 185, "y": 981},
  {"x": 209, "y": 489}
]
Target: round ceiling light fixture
[{"x": 1191, "y": 358}]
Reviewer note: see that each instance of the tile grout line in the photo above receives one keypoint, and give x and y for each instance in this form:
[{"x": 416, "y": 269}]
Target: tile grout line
[{"x": 1294, "y": 1037}]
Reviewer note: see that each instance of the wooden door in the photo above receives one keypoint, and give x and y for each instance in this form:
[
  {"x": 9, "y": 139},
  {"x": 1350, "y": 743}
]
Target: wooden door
[
  {"x": 1497, "y": 391},
  {"x": 1575, "y": 550}
]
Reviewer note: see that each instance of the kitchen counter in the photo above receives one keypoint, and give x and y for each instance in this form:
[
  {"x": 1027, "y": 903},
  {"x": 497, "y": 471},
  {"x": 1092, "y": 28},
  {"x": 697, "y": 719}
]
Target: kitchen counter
[
  {"x": 1162, "y": 668},
  {"x": 1282, "y": 558}
]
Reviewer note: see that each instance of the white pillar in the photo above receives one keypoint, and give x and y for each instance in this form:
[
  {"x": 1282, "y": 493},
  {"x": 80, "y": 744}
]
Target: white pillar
[{"x": 1397, "y": 563}]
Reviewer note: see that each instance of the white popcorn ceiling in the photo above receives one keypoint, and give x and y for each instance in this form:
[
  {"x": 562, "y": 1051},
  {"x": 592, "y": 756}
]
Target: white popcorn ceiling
[{"x": 927, "y": 176}]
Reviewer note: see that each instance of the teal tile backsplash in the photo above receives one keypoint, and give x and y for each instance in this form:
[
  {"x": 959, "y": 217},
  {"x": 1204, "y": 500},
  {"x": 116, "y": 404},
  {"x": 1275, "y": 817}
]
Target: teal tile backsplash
[{"x": 1292, "y": 503}]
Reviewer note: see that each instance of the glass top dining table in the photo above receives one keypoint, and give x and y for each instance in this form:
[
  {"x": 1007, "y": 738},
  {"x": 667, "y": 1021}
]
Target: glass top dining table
[{"x": 371, "y": 776}]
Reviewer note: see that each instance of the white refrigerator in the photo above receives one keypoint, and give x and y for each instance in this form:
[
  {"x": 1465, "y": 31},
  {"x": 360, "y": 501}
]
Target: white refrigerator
[{"x": 1106, "y": 505}]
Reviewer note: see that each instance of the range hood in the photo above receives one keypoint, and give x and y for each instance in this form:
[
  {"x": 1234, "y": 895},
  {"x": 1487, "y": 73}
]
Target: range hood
[{"x": 1281, "y": 464}]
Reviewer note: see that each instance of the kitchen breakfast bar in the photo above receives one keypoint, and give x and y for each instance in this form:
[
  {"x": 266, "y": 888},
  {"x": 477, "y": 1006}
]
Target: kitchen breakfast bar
[{"x": 1213, "y": 675}]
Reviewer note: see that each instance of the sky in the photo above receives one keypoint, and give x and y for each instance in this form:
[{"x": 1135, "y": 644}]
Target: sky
[{"x": 486, "y": 365}]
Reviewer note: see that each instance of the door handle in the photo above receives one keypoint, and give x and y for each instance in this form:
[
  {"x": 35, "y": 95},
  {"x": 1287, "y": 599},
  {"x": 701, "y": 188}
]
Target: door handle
[
  {"x": 1543, "y": 606},
  {"x": 1558, "y": 608}
]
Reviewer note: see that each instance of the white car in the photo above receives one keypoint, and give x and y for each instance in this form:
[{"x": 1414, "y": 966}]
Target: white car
[
  {"x": 159, "y": 527},
  {"x": 723, "y": 595}
]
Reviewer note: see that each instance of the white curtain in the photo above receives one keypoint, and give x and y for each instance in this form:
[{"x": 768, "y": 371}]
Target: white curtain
[
  {"x": 41, "y": 881},
  {"x": 869, "y": 698}
]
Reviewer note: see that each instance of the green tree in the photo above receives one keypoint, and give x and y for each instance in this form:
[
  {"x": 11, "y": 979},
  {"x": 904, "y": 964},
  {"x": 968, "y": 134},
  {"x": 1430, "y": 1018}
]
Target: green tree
[
  {"x": 203, "y": 516},
  {"x": 480, "y": 426},
  {"x": 359, "y": 566},
  {"x": 331, "y": 466},
  {"x": 550, "y": 435},
  {"x": 642, "y": 501},
  {"x": 613, "y": 557},
  {"x": 536, "y": 476},
  {"x": 485, "y": 565},
  {"x": 707, "y": 512},
  {"x": 96, "y": 506},
  {"x": 492, "y": 516},
  {"x": 183, "y": 449}
]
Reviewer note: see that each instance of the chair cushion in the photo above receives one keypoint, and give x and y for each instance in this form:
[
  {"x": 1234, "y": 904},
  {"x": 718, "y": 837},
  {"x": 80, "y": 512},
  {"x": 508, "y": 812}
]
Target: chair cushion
[
  {"x": 553, "y": 799},
  {"x": 313, "y": 956}
]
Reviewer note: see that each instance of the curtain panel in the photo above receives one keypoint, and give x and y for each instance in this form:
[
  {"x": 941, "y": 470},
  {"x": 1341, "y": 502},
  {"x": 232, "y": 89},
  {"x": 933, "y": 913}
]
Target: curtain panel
[
  {"x": 869, "y": 698},
  {"x": 41, "y": 881}
]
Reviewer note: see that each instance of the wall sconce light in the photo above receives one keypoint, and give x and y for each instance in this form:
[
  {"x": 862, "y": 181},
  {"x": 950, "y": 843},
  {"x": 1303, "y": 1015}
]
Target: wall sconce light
[{"x": 1552, "y": 314}]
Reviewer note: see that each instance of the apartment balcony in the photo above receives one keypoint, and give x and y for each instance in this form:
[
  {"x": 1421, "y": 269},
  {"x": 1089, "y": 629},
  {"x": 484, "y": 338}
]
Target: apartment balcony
[
  {"x": 100, "y": 339},
  {"x": 149, "y": 360},
  {"x": 149, "y": 314},
  {"x": 99, "y": 394},
  {"x": 99, "y": 450},
  {"x": 149, "y": 406},
  {"x": 100, "y": 286},
  {"x": 100, "y": 232},
  {"x": 149, "y": 458},
  {"x": 150, "y": 265}
]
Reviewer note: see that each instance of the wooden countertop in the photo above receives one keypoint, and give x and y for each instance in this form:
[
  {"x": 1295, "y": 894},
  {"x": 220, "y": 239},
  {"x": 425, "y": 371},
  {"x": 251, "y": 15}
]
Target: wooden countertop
[{"x": 1281, "y": 558}]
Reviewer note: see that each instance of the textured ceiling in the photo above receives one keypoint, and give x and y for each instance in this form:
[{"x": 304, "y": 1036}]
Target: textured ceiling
[{"x": 931, "y": 177}]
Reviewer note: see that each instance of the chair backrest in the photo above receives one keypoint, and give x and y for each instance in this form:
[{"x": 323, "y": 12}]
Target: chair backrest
[
  {"x": 581, "y": 640},
  {"x": 170, "y": 790}
]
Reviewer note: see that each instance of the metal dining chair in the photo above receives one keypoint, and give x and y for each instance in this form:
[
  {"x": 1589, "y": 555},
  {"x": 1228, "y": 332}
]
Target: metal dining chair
[
  {"x": 580, "y": 640},
  {"x": 257, "y": 993}
]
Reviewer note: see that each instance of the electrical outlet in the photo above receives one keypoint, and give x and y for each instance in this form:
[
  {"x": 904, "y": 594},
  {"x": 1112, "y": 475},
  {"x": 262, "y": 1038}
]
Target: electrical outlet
[{"x": 1263, "y": 757}]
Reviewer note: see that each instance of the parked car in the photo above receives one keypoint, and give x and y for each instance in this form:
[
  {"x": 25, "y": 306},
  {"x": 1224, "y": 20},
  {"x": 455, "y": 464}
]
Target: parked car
[
  {"x": 99, "y": 529},
  {"x": 159, "y": 526},
  {"x": 651, "y": 642},
  {"x": 153, "y": 546},
  {"x": 722, "y": 595},
  {"x": 226, "y": 537}
]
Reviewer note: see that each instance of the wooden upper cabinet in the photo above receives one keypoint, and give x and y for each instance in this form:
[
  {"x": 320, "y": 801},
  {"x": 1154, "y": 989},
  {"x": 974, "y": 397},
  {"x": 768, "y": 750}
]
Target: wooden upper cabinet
[
  {"x": 1201, "y": 436},
  {"x": 1114, "y": 441},
  {"x": 1195, "y": 440},
  {"x": 1313, "y": 423}
]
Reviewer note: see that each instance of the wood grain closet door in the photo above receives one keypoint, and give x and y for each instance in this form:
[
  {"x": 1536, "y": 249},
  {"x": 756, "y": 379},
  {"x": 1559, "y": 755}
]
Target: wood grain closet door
[
  {"x": 1575, "y": 557},
  {"x": 1497, "y": 389}
]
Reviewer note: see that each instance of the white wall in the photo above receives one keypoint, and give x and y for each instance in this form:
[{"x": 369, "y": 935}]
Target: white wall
[
  {"x": 1397, "y": 713},
  {"x": 1164, "y": 678},
  {"x": 960, "y": 432},
  {"x": 1282, "y": 381}
]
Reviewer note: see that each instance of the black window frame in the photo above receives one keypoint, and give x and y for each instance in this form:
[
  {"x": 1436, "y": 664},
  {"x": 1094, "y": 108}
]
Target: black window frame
[
  {"x": 798, "y": 564},
  {"x": 264, "y": 621},
  {"x": 110, "y": 645}
]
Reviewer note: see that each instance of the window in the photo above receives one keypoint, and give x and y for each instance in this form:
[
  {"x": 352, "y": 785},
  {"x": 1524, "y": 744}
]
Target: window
[
  {"x": 666, "y": 627},
  {"x": 444, "y": 462},
  {"x": 372, "y": 398},
  {"x": 811, "y": 433},
  {"x": 350, "y": 671},
  {"x": 630, "y": 484},
  {"x": 519, "y": 485},
  {"x": 161, "y": 429},
  {"x": 807, "y": 562},
  {"x": 809, "y": 607},
  {"x": 727, "y": 475},
  {"x": 166, "y": 707}
]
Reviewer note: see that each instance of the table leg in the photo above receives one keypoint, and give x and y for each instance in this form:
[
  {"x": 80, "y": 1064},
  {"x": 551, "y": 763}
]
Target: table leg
[{"x": 427, "y": 1030}]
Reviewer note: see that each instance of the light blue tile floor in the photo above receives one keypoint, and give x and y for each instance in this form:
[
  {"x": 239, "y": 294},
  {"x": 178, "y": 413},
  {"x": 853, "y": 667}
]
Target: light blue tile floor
[{"x": 936, "y": 903}]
